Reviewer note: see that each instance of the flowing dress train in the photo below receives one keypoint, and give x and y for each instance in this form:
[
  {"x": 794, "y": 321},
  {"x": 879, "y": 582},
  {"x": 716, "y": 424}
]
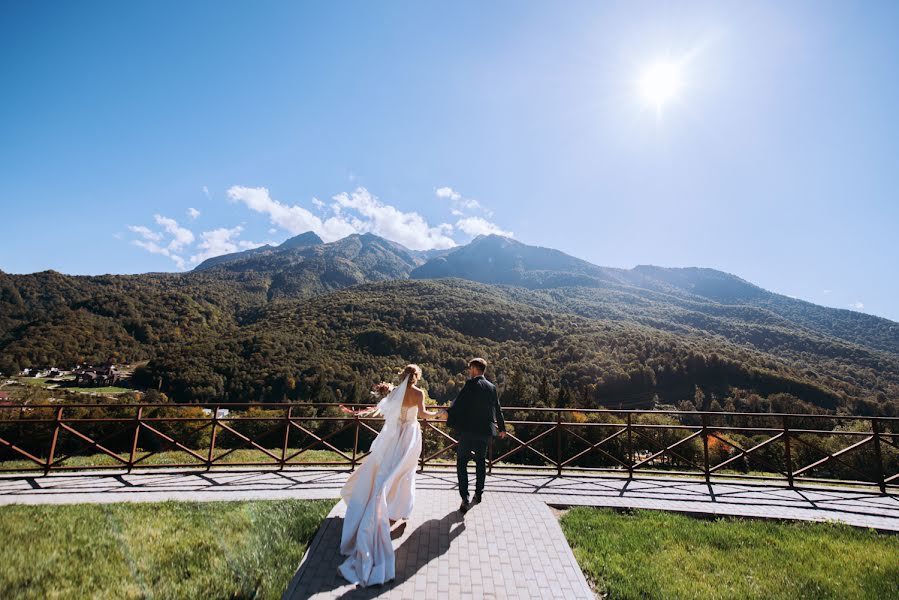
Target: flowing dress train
[{"x": 382, "y": 488}]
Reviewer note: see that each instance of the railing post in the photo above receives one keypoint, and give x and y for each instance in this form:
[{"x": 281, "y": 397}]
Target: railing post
[
  {"x": 787, "y": 454},
  {"x": 53, "y": 441},
  {"x": 140, "y": 410},
  {"x": 287, "y": 418},
  {"x": 355, "y": 443},
  {"x": 558, "y": 443},
  {"x": 421, "y": 457},
  {"x": 630, "y": 448},
  {"x": 705, "y": 445},
  {"x": 881, "y": 481},
  {"x": 215, "y": 416}
]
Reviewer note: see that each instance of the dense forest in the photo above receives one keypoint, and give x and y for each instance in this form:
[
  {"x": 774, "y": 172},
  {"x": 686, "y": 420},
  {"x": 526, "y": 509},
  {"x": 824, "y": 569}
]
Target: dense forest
[{"x": 313, "y": 321}]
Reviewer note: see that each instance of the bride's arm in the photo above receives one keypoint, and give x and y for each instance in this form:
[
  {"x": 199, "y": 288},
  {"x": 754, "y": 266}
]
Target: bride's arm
[
  {"x": 424, "y": 411},
  {"x": 359, "y": 413}
]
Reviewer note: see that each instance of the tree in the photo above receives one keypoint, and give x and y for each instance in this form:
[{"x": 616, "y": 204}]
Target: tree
[
  {"x": 699, "y": 399},
  {"x": 563, "y": 400},
  {"x": 543, "y": 391}
]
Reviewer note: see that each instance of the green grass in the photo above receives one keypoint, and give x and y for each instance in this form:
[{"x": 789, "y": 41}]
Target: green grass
[
  {"x": 109, "y": 389},
  {"x": 35, "y": 381},
  {"x": 46, "y": 382},
  {"x": 653, "y": 554},
  {"x": 155, "y": 550},
  {"x": 178, "y": 457}
]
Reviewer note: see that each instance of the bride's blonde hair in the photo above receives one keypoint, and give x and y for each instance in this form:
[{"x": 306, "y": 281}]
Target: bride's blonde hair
[{"x": 413, "y": 370}]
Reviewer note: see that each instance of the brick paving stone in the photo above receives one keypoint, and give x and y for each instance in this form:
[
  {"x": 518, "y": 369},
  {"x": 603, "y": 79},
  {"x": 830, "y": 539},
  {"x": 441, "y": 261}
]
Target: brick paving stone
[{"x": 436, "y": 516}]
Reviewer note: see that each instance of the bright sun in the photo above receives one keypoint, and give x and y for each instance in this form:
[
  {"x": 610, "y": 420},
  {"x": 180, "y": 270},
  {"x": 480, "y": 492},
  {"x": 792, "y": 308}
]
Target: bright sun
[{"x": 661, "y": 83}]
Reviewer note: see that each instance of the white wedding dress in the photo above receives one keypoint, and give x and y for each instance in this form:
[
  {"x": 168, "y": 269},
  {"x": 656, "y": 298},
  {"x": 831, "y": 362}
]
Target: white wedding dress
[{"x": 382, "y": 488}]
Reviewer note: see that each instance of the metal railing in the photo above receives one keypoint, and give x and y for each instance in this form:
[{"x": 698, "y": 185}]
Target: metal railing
[{"x": 794, "y": 448}]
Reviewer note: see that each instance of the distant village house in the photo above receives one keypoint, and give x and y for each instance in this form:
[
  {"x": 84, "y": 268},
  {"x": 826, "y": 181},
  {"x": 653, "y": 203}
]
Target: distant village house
[{"x": 96, "y": 376}]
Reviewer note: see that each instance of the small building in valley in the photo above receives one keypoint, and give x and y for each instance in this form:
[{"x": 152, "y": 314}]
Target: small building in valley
[{"x": 96, "y": 376}]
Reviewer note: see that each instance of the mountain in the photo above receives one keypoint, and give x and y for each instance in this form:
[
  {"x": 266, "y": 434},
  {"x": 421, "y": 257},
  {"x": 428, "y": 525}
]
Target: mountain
[
  {"x": 304, "y": 265},
  {"x": 327, "y": 347},
  {"x": 308, "y": 320},
  {"x": 304, "y": 240},
  {"x": 701, "y": 296},
  {"x": 501, "y": 260}
]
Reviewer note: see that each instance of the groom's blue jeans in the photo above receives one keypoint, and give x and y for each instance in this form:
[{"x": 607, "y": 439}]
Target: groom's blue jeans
[{"x": 468, "y": 443}]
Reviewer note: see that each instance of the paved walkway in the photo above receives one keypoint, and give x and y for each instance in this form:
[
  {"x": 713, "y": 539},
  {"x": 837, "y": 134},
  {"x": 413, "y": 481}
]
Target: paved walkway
[{"x": 510, "y": 546}]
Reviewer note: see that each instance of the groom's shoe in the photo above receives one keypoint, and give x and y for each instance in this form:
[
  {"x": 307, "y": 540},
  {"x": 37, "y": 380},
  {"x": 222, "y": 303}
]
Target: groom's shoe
[
  {"x": 465, "y": 506},
  {"x": 476, "y": 499}
]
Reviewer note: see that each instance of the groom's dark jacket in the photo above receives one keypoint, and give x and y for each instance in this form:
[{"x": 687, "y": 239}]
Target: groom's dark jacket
[{"x": 475, "y": 408}]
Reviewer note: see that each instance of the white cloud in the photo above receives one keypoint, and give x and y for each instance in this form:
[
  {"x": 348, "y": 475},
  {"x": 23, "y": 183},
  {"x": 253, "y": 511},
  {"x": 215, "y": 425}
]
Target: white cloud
[
  {"x": 146, "y": 233},
  {"x": 460, "y": 203},
  {"x": 220, "y": 241},
  {"x": 475, "y": 226},
  {"x": 356, "y": 212},
  {"x": 352, "y": 212},
  {"x": 294, "y": 219},
  {"x": 206, "y": 193},
  {"x": 408, "y": 228},
  {"x": 828, "y": 292},
  {"x": 857, "y": 305},
  {"x": 155, "y": 248},
  {"x": 448, "y": 192},
  {"x": 180, "y": 236},
  {"x": 117, "y": 235}
]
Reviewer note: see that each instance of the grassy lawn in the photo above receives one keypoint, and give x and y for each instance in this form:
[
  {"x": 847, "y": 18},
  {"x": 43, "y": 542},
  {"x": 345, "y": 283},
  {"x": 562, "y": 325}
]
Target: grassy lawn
[
  {"x": 178, "y": 457},
  {"x": 35, "y": 381},
  {"x": 155, "y": 550},
  {"x": 653, "y": 554},
  {"x": 47, "y": 382},
  {"x": 109, "y": 389}
]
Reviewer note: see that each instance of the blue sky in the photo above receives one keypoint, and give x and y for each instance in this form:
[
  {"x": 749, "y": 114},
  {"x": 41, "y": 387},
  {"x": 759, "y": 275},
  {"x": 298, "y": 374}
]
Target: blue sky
[{"x": 777, "y": 159}]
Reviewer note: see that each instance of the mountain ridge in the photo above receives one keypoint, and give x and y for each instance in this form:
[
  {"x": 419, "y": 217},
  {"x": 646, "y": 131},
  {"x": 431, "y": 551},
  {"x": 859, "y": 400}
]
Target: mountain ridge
[{"x": 540, "y": 308}]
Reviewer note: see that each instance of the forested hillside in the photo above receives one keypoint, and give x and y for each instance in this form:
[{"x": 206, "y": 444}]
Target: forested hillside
[{"x": 314, "y": 321}]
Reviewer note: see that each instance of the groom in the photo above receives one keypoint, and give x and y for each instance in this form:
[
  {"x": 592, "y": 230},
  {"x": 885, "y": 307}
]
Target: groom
[{"x": 472, "y": 414}]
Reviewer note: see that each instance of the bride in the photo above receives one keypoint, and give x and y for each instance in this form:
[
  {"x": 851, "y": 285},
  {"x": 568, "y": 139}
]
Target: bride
[{"x": 383, "y": 487}]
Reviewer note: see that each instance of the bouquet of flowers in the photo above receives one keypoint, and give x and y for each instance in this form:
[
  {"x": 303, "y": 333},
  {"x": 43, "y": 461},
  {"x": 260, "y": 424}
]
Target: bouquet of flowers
[{"x": 379, "y": 391}]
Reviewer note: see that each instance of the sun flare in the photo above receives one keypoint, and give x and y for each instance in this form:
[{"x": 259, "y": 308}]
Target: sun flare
[{"x": 660, "y": 83}]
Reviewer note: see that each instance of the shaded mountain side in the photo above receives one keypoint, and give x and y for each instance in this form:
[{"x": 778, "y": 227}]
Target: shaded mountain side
[
  {"x": 756, "y": 328},
  {"x": 304, "y": 266},
  {"x": 222, "y": 259},
  {"x": 498, "y": 260},
  {"x": 304, "y": 240},
  {"x": 723, "y": 288}
]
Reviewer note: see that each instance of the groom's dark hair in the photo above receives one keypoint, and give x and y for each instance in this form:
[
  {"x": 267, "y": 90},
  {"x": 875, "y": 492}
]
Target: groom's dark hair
[{"x": 480, "y": 363}]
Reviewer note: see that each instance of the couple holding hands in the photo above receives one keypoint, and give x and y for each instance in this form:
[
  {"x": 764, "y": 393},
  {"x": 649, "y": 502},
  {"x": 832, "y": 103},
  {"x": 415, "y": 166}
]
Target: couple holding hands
[{"x": 382, "y": 489}]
